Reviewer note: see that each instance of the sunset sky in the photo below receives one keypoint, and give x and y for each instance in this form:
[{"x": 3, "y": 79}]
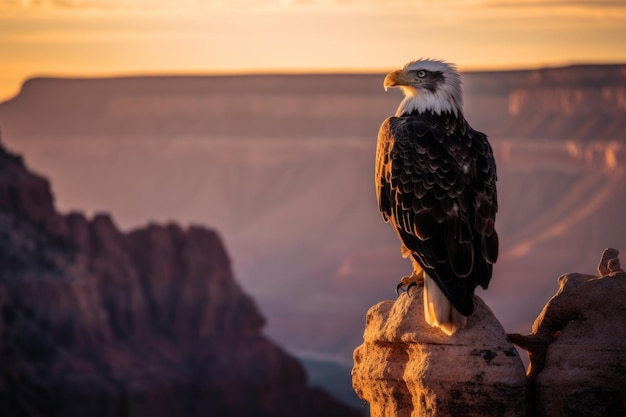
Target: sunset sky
[{"x": 119, "y": 37}]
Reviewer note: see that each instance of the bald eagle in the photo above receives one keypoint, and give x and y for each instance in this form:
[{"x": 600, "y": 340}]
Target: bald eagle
[{"x": 436, "y": 185}]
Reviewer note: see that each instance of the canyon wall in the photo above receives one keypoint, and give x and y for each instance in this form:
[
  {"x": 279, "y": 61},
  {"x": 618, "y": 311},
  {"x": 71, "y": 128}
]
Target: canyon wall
[{"x": 151, "y": 322}]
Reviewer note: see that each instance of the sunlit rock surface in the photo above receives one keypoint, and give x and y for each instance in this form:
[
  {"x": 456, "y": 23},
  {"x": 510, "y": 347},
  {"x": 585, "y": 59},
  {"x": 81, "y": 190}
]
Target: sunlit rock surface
[{"x": 406, "y": 368}]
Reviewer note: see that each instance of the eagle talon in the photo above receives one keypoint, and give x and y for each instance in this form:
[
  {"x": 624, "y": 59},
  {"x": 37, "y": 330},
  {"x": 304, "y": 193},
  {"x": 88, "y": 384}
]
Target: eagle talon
[
  {"x": 399, "y": 288},
  {"x": 404, "y": 282},
  {"x": 408, "y": 282}
]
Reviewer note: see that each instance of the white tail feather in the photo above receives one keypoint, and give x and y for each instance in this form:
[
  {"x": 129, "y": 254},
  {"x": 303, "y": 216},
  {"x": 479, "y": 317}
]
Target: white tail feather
[{"x": 438, "y": 311}]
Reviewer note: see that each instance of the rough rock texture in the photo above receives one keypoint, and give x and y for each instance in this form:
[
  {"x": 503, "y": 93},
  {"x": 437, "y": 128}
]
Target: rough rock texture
[
  {"x": 407, "y": 368},
  {"x": 96, "y": 322},
  {"x": 578, "y": 345}
]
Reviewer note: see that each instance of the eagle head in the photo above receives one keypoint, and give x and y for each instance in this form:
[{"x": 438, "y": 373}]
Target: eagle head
[{"x": 428, "y": 85}]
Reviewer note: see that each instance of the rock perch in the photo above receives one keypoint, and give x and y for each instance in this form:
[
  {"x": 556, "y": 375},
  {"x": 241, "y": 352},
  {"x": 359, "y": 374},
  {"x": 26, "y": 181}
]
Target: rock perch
[{"x": 406, "y": 368}]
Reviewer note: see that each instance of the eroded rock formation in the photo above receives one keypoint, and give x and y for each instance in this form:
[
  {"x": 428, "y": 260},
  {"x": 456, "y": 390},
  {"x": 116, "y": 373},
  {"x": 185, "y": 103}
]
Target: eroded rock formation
[
  {"x": 577, "y": 346},
  {"x": 405, "y": 368},
  {"x": 97, "y": 322}
]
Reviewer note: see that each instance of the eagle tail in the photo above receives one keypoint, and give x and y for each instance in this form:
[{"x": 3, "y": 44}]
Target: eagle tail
[{"x": 438, "y": 311}]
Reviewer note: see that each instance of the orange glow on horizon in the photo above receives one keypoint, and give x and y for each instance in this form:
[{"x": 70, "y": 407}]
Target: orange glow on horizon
[{"x": 137, "y": 37}]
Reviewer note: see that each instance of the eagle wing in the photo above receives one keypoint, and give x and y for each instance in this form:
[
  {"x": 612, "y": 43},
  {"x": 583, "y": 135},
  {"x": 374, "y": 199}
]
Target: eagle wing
[{"x": 436, "y": 182}]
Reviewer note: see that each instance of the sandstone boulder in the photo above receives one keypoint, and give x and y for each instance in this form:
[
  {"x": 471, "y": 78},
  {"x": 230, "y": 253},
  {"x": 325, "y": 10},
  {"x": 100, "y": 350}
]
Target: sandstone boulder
[{"x": 405, "y": 368}]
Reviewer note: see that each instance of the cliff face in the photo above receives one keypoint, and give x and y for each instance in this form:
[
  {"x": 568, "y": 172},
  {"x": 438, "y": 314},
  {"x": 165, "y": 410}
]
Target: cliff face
[
  {"x": 576, "y": 103},
  {"x": 103, "y": 323}
]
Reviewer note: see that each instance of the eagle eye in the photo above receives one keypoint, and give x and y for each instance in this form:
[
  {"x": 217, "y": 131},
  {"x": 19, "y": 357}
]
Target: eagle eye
[{"x": 421, "y": 73}]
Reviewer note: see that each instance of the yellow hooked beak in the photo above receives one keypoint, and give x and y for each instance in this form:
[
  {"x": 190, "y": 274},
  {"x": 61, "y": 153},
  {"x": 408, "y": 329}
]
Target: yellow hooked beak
[{"x": 395, "y": 79}]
